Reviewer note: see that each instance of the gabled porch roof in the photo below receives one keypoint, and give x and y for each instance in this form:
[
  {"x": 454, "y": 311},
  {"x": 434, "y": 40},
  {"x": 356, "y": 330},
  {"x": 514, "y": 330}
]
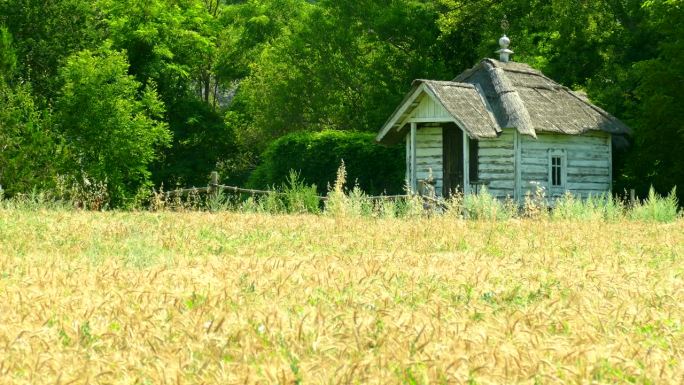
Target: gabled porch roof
[{"x": 462, "y": 101}]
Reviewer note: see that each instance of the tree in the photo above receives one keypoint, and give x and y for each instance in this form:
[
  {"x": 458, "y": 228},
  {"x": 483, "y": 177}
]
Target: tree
[
  {"x": 30, "y": 152},
  {"x": 341, "y": 66},
  {"x": 657, "y": 158},
  {"x": 45, "y": 33},
  {"x": 8, "y": 57},
  {"x": 115, "y": 129},
  {"x": 174, "y": 45}
]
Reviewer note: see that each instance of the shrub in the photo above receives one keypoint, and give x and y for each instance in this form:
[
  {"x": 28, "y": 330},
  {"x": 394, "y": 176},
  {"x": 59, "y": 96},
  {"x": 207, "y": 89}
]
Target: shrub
[
  {"x": 656, "y": 208},
  {"x": 485, "y": 206},
  {"x": 298, "y": 197},
  {"x": 316, "y": 156},
  {"x": 293, "y": 197},
  {"x": 592, "y": 208}
]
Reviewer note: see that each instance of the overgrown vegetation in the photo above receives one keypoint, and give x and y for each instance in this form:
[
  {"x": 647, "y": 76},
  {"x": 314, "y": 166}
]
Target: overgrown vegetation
[{"x": 294, "y": 196}]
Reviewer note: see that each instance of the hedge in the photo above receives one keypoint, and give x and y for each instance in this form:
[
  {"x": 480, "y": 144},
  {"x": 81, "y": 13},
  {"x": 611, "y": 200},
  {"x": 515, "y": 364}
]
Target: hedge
[{"x": 317, "y": 155}]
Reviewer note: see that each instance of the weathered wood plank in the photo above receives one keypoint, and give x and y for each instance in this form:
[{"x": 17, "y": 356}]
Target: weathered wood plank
[
  {"x": 588, "y": 155},
  {"x": 501, "y": 184},
  {"x": 430, "y": 130},
  {"x": 429, "y": 138},
  {"x": 599, "y": 163},
  {"x": 496, "y": 144},
  {"x": 498, "y": 152},
  {"x": 496, "y": 168},
  {"x": 426, "y": 152},
  {"x": 429, "y": 108},
  {"x": 429, "y": 144},
  {"x": 589, "y": 178},
  {"x": 597, "y": 171},
  {"x": 565, "y": 146},
  {"x": 588, "y": 186},
  {"x": 495, "y": 160},
  {"x": 501, "y": 193},
  {"x": 496, "y": 178},
  {"x": 563, "y": 139},
  {"x": 431, "y": 158},
  {"x": 534, "y": 161},
  {"x": 534, "y": 168},
  {"x": 533, "y": 153},
  {"x": 535, "y": 177}
]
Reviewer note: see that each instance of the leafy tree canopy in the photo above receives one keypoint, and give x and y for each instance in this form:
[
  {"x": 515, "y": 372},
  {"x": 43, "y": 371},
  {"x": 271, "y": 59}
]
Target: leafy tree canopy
[{"x": 115, "y": 128}]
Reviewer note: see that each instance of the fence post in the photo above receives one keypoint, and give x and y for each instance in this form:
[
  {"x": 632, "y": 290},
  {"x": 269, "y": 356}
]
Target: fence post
[
  {"x": 632, "y": 197},
  {"x": 213, "y": 182}
]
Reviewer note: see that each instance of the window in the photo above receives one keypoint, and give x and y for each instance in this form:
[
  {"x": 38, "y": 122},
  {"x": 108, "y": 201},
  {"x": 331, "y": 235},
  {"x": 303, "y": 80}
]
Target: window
[
  {"x": 557, "y": 170},
  {"x": 556, "y": 178}
]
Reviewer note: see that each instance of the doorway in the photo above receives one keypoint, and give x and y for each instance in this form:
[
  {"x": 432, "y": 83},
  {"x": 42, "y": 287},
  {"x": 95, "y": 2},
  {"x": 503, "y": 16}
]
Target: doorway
[{"x": 452, "y": 139}]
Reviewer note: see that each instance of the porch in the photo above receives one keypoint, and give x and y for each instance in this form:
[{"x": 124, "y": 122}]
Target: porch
[{"x": 441, "y": 159}]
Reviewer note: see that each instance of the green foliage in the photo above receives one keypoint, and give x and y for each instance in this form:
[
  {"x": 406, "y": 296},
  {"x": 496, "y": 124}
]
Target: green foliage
[
  {"x": 201, "y": 140},
  {"x": 114, "y": 129},
  {"x": 237, "y": 75},
  {"x": 341, "y": 203},
  {"x": 292, "y": 197},
  {"x": 316, "y": 156},
  {"x": 8, "y": 56},
  {"x": 656, "y": 208},
  {"x": 31, "y": 153},
  {"x": 592, "y": 208},
  {"x": 486, "y": 206},
  {"x": 177, "y": 46},
  {"x": 298, "y": 197},
  {"x": 45, "y": 34},
  {"x": 348, "y": 203},
  {"x": 656, "y": 159},
  {"x": 340, "y": 66}
]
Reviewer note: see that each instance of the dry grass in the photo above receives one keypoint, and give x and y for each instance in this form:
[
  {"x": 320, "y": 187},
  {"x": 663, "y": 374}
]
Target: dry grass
[{"x": 197, "y": 298}]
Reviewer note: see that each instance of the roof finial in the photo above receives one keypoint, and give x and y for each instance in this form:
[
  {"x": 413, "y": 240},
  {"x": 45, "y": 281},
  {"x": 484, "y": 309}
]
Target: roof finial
[{"x": 504, "y": 42}]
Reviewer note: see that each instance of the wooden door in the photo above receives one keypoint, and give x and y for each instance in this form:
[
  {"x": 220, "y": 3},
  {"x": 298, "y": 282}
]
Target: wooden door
[{"x": 452, "y": 139}]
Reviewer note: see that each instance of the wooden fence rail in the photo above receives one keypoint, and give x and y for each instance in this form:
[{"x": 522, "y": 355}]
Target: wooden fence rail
[{"x": 215, "y": 187}]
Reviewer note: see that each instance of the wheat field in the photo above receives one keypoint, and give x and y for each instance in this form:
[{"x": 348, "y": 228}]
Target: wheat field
[{"x": 227, "y": 298}]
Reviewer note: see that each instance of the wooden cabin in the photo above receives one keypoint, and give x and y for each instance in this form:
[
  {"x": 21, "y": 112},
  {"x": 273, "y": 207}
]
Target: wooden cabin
[{"x": 506, "y": 126}]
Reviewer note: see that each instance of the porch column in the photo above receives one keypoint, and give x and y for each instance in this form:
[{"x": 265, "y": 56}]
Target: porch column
[
  {"x": 414, "y": 181},
  {"x": 466, "y": 164}
]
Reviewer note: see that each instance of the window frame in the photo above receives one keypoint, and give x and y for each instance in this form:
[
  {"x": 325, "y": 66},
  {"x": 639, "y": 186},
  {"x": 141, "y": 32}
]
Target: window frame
[{"x": 562, "y": 155}]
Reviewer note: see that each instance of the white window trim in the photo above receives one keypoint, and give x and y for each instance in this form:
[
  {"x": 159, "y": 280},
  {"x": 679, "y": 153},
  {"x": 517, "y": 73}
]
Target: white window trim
[{"x": 564, "y": 171}]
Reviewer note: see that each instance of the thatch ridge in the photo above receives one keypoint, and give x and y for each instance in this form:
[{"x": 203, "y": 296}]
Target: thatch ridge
[
  {"x": 552, "y": 107},
  {"x": 510, "y": 100}
]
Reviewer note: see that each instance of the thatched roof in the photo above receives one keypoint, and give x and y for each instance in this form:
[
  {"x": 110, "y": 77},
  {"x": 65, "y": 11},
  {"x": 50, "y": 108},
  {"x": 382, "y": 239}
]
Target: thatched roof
[
  {"x": 495, "y": 95},
  {"x": 466, "y": 105},
  {"x": 462, "y": 101}
]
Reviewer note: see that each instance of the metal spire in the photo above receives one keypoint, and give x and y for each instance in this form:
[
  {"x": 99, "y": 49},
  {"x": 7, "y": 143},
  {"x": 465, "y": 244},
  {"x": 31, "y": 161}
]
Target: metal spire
[{"x": 504, "y": 42}]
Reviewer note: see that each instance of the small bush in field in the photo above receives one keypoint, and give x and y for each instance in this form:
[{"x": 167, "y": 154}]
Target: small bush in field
[
  {"x": 594, "y": 207},
  {"x": 656, "y": 208},
  {"x": 486, "y": 206},
  {"x": 298, "y": 197}
]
